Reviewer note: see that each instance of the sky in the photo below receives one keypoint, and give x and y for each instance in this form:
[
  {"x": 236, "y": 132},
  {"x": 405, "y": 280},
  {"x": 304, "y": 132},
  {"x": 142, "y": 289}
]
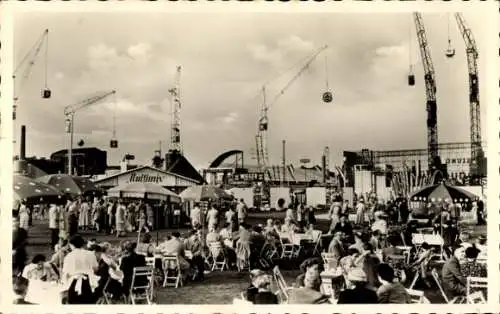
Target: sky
[{"x": 226, "y": 59}]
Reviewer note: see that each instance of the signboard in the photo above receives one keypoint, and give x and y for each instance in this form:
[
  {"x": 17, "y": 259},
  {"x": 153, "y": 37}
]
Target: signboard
[{"x": 146, "y": 175}]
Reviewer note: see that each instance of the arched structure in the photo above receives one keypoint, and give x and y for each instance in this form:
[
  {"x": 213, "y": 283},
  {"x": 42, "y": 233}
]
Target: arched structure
[{"x": 222, "y": 157}]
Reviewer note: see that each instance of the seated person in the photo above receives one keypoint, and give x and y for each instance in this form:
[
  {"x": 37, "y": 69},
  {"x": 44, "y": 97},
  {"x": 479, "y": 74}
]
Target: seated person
[
  {"x": 308, "y": 294},
  {"x": 252, "y": 289},
  {"x": 311, "y": 264},
  {"x": 390, "y": 290},
  {"x": 348, "y": 262},
  {"x": 454, "y": 282},
  {"x": 391, "y": 249},
  {"x": 195, "y": 245},
  {"x": 357, "y": 291},
  {"x": 145, "y": 247},
  {"x": 289, "y": 226},
  {"x": 39, "y": 269},
  {"x": 269, "y": 226},
  {"x": 344, "y": 226},
  {"x": 470, "y": 267},
  {"x": 264, "y": 294},
  {"x": 129, "y": 261},
  {"x": 105, "y": 269},
  {"x": 213, "y": 236}
]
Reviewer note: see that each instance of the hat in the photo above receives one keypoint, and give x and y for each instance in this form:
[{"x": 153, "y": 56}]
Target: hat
[
  {"x": 357, "y": 274},
  {"x": 262, "y": 281}
]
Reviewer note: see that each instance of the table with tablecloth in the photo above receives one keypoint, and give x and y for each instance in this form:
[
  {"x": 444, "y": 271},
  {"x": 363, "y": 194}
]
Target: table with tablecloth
[
  {"x": 45, "y": 293},
  {"x": 332, "y": 281}
]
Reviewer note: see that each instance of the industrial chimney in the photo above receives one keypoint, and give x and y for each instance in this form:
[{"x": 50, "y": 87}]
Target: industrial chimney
[{"x": 22, "y": 150}]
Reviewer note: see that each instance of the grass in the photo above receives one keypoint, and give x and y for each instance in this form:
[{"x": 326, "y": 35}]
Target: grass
[{"x": 218, "y": 287}]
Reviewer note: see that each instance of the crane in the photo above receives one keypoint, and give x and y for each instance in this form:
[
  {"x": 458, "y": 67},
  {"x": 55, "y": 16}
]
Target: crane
[
  {"x": 23, "y": 69},
  {"x": 430, "y": 91},
  {"x": 175, "y": 134},
  {"x": 70, "y": 111},
  {"x": 261, "y": 138},
  {"x": 475, "y": 112}
]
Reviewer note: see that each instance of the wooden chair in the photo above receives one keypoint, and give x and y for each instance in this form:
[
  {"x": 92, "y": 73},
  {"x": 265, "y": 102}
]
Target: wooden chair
[
  {"x": 141, "y": 288},
  {"x": 171, "y": 265}
]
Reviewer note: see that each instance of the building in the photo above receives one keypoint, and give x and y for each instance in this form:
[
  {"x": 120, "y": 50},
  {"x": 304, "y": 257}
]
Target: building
[
  {"x": 87, "y": 161},
  {"x": 455, "y": 157},
  {"x": 147, "y": 174}
]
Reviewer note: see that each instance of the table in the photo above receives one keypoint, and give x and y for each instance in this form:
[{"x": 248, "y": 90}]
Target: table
[{"x": 45, "y": 293}]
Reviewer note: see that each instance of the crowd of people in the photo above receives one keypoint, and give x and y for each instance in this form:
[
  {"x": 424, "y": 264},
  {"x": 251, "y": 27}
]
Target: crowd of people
[{"x": 363, "y": 249}]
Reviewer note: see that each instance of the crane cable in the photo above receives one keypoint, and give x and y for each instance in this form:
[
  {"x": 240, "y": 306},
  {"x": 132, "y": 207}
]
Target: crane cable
[
  {"x": 326, "y": 73},
  {"x": 410, "y": 48},
  {"x": 46, "y": 59},
  {"x": 114, "y": 116}
]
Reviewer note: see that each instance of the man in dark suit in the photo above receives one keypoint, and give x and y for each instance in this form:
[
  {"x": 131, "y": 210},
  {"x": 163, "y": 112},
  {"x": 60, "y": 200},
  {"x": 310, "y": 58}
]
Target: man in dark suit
[
  {"x": 129, "y": 262},
  {"x": 453, "y": 280}
]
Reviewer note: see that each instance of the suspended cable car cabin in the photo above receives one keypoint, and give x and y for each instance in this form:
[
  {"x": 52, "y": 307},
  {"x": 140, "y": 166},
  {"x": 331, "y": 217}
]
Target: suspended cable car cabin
[
  {"x": 46, "y": 93},
  {"x": 411, "y": 77},
  {"x": 113, "y": 143},
  {"x": 327, "y": 97}
]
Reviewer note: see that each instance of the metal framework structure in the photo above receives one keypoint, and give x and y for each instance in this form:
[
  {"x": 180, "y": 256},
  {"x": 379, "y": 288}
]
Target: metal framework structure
[
  {"x": 70, "y": 111},
  {"x": 475, "y": 112},
  {"x": 175, "y": 135},
  {"x": 261, "y": 138},
  {"x": 430, "y": 90}
]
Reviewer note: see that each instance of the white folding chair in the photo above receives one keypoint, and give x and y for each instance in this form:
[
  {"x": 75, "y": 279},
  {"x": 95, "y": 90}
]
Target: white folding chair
[
  {"x": 417, "y": 296},
  {"x": 217, "y": 253},
  {"x": 287, "y": 247},
  {"x": 141, "y": 288},
  {"x": 455, "y": 300},
  {"x": 316, "y": 235},
  {"x": 330, "y": 260},
  {"x": 281, "y": 283},
  {"x": 478, "y": 284},
  {"x": 327, "y": 287},
  {"x": 171, "y": 265}
]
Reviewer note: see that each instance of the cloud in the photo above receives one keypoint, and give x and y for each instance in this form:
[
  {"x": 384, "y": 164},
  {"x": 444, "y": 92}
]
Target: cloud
[
  {"x": 139, "y": 51},
  {"x": 230, "y": 118},
  {"x": 295, "y": 43}
]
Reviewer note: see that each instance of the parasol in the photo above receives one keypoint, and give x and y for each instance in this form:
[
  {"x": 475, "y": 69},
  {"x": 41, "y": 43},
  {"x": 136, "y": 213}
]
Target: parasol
[
  {"x": 72, "y": 185},
  {"x": 204, "y": 193},
  {"x": 143, "y": 190},
  {"x": 27, "y": 188},
  {"x": 442, "y": 192}
]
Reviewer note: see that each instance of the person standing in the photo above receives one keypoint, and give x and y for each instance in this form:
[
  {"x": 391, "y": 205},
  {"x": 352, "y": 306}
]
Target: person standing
[
  {"x": 195, "y": 216},
  {"x": 84, "y": 221},
  {"x": 24, "y": 217},
  {"x": 54, "y": 225},
  {"x": 120, "y": 219},
  {"x": 242, "y": 211},
  {"x": 151, "y": 217},
  {"x": 78, "y": 271},
  {"x": 360, "y": 213},
  {"x": 212, "y": 218}
]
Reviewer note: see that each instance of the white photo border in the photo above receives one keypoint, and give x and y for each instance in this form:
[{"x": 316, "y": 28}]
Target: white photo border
[{"x": 490, "y": 11}]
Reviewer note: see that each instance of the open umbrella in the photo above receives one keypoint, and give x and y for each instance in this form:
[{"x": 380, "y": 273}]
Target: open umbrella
[
  {"x": 143, "y": 190},
  {"x": 443, "y": 192},
  {"x": 26, "y": 188},
  {"x": 72, "y": 185},
  {"x": 204, "y": 193}
]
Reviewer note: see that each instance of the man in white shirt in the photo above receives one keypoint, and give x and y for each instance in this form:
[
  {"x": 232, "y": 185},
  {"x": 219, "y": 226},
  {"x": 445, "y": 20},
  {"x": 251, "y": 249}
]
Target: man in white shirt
[
  {"x": 241, "y": 209},
  {"x": 54, "y": 224}
]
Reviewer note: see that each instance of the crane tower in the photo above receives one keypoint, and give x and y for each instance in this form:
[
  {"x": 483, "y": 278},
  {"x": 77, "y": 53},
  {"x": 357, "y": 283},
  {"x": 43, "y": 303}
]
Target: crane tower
[
  {"x": 175, "y": 135},
  {"x": 475, "y": 112},
  {"x": 430, "y": 91},
  {"x": 261, "y": 138}
]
